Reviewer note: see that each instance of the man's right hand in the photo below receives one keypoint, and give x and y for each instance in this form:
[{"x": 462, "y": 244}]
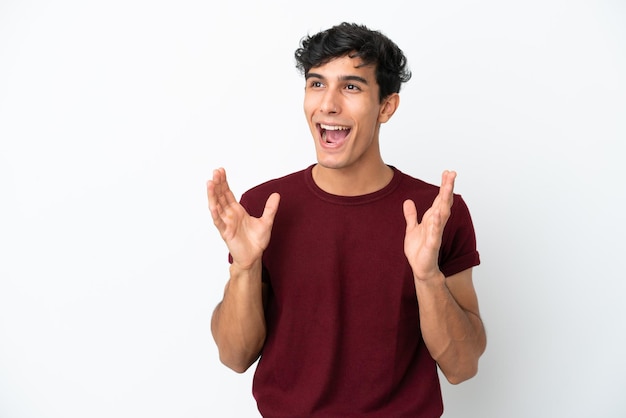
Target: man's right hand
[{"x": 245, "y": 236}]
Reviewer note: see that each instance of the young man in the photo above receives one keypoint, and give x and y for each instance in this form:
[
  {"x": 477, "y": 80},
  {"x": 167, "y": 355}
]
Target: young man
[{"x": 351, "y": 280}]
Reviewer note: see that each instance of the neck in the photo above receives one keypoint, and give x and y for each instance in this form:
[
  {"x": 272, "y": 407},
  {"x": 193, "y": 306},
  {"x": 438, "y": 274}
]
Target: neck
[{"x": 355, "y": 181}]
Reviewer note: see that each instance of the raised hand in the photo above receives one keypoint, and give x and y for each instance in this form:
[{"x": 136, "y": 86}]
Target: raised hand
[
  {"x": 245, "y": 236},
  {"x": 422, "y": 240}
]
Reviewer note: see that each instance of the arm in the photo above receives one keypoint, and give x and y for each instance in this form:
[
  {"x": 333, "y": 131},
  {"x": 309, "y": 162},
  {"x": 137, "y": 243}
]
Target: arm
[
  {"x": 451, "y": 324},
  {"x": 238, "y": 321},
  {"x": 449, "y": 316}
]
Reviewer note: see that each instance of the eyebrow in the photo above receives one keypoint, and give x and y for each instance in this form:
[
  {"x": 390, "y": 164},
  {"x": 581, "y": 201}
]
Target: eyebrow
[{"x": 342, "y": 78}]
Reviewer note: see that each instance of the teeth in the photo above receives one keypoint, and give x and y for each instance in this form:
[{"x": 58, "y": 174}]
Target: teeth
[{"x": 334, "y": 127}]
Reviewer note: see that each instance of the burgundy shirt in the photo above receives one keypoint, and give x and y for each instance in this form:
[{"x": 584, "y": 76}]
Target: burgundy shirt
[{"x": 343, "y": 330}]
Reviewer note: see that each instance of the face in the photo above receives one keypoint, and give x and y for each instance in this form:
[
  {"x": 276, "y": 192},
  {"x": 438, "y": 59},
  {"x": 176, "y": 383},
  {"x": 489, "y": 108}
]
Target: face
[{"x": 344, "y": 113}]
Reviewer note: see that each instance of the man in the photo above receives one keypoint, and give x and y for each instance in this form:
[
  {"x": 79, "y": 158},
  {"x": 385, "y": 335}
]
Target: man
[{"x": 351, "y": 280}]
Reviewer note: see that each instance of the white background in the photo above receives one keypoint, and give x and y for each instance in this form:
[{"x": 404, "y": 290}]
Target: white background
[{"x": 113, "y": 115}]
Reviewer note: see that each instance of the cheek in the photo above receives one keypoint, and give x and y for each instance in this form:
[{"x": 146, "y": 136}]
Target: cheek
[
  {"x": 369, "y": 120},
  {"x": 309, "y": 110},
  {"x": 309, "y": 102}
]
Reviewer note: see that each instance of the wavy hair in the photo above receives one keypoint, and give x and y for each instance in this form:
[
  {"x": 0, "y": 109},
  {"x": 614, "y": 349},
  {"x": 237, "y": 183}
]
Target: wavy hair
[{"x": 356, "y": 41}]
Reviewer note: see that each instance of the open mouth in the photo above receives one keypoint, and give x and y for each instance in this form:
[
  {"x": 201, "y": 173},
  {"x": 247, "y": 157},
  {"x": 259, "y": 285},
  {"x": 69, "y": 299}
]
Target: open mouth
[{"x": 333, "y": 134}]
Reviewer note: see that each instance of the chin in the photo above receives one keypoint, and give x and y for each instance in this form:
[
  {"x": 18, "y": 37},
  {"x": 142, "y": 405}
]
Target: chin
[{"x": 326, "y": 163}]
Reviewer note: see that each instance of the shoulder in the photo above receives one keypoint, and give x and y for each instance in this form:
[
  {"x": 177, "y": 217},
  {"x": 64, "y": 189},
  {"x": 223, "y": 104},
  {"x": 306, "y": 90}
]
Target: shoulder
[
  {"x": 414, "y": 184},
  {"x": 254, "y": 198},
  {"x": 417, "y": 185},
  {"x": 424, "y": 193},
  {"x": 421, "y": 192},
  {"x": 274, "y": 185}
]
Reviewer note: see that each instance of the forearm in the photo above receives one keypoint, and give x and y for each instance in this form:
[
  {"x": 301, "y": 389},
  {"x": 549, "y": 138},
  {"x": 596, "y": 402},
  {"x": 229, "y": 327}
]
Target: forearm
[
  {"x": 455, "y": 337},
  {"x": 238, "y": 322}
]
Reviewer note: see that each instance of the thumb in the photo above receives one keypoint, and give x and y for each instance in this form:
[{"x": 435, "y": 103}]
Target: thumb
[
  {"x": 271, "y": 207},
  {"x": 410, "y": 213}
]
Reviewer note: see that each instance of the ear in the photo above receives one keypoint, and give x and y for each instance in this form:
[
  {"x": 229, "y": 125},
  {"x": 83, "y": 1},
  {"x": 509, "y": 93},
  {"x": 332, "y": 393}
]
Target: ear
[{"x": 388, "y": 107}]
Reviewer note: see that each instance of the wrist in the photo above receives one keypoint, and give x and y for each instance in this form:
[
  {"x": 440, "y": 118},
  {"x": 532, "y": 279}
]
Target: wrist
[
  {"x": 433, "y": 279},
  {"x": 252, "y": 268}
]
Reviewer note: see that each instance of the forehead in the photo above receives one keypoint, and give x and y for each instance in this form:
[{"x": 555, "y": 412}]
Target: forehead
[{"x": 345, "y": 65}]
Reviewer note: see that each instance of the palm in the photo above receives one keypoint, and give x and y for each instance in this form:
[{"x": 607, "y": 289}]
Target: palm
[
  {"x": 246, "y": 236},
  {"x": 422, "y": 240}
]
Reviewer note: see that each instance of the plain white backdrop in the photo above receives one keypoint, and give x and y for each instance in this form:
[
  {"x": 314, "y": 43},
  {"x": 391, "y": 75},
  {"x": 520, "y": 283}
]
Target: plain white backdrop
[{"x": 113, "y": 115}]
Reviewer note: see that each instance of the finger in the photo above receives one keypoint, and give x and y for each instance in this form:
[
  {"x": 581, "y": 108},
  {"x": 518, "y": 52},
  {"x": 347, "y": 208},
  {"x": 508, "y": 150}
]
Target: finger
[
  {"x": 410, "y": 213},
  {"x": 211, "y": 194},
  {"x": 219, "y": 177},
  {"x": 219, "y": 195},
  {"x": 443, "y": 200},
  {"x": 214, "y": 205},
  {"x": 440, "y": 209},
  {"x": 224, "y": 195},
  {"x": 447, "y": 187},
  {"x": 271, "y": 207},
  {"x": 215, "y": 188}
]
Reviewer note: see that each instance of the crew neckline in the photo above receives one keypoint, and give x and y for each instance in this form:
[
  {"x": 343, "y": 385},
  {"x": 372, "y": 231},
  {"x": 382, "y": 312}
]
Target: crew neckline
[{"x": 352, "y": 200}]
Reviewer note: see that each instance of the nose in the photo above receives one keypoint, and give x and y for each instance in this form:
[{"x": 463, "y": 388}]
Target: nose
[{"x": 329, "y": 103}]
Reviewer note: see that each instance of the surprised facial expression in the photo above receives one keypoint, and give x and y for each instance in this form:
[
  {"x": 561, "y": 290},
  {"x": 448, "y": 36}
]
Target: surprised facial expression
[{"x": 342, "y": 107}]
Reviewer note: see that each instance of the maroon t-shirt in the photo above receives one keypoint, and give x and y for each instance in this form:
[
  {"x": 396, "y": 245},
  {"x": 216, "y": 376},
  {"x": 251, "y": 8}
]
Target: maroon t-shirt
[{"x": 343, "y": 331}]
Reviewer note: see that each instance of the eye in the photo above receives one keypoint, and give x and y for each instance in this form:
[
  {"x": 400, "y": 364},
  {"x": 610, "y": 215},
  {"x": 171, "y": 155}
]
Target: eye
[
  {"x": 315, "y": 84},
  {"x": 353, "y": 87}
]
